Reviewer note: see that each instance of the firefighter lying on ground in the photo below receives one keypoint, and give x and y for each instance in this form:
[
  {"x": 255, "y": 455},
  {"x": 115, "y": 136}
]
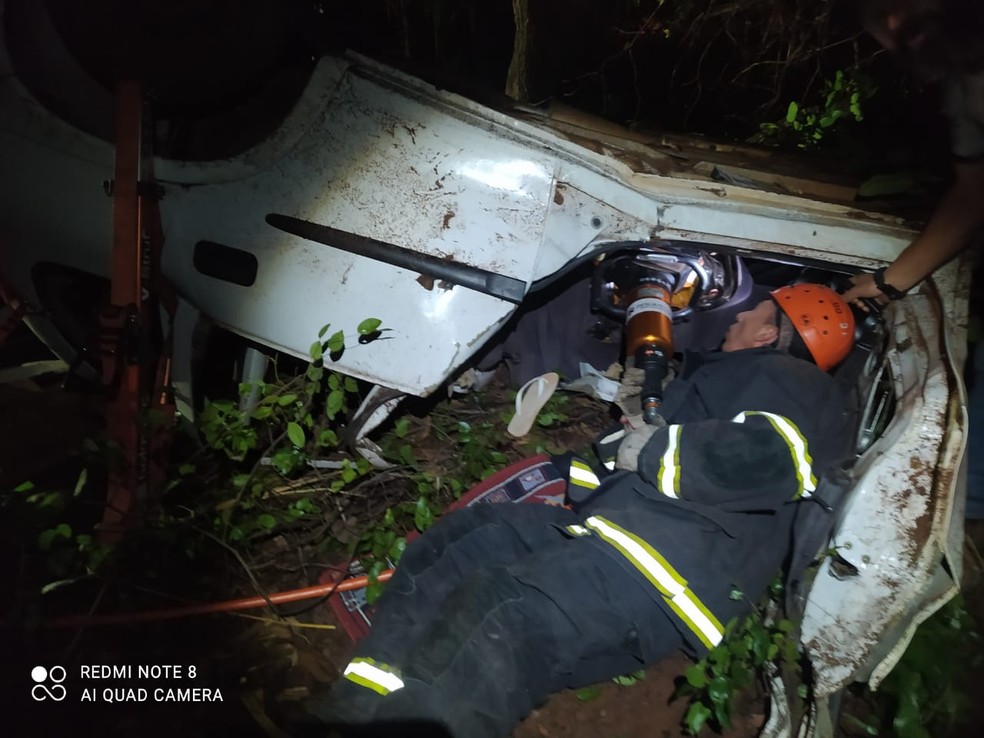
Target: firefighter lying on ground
[{"x": 497, "y": 606}]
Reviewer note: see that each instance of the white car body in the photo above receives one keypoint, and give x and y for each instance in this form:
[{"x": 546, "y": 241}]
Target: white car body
[{"x": 370, "y": 150}]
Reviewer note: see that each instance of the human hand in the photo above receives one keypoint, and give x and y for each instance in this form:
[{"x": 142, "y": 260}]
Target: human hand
[
  {"x": 632, "y": 445},
  {"x": 863, "y": 288}
]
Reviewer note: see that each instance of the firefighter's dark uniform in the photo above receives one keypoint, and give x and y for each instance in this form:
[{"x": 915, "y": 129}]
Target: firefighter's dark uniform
[{"x": 497, "y": 606}]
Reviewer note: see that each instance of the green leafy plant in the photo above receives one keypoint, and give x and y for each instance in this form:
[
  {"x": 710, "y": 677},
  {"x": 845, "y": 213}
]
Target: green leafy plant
[
  {"x": 806, "y": 126},
  {"x": 750, "y": 645},
  {"x": 628, "y": 680},
  {"x": 923, "y": 696},
  {"x": 278, "y": 430}
]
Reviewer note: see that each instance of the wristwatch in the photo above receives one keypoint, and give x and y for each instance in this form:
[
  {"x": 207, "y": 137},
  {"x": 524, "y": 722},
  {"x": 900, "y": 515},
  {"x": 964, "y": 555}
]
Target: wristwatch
[{"x": 886, "y": 289}]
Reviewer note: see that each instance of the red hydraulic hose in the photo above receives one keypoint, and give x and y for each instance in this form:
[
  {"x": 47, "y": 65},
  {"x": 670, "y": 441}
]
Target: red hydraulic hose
[{"x": 245, "y": 603}]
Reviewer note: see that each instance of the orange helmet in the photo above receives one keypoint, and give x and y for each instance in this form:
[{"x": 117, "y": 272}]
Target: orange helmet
[{"x": 822, "y": 319}]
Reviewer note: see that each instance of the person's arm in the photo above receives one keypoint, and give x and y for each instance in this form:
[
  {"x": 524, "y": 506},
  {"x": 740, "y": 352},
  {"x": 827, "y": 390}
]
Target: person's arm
[
  {"x": 948, "y": 232},
  {"x": 757, "y": 461}
]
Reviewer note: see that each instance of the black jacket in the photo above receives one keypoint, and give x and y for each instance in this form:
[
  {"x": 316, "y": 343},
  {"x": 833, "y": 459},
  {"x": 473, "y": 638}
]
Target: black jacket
[{"x": 709, "y": 517}]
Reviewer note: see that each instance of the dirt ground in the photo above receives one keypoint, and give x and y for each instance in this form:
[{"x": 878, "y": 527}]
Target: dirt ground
[{"x": 263, "y": 667}]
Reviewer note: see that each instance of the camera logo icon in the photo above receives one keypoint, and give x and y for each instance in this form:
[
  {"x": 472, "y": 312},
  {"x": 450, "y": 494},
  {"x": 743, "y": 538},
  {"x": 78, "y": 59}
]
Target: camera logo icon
[{"x": 42, "y": 677}]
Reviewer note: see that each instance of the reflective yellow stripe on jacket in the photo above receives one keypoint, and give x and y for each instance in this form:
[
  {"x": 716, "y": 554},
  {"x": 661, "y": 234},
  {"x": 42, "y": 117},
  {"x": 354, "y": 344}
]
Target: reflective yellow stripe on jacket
[
  {"x": 669, "y": 464},
  {"x": 802, "y": 461},
  {"x": 658, "y": 571}
]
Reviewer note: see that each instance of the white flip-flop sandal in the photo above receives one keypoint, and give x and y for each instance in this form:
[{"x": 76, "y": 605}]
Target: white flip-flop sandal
[{"x": 530, "y": 400}]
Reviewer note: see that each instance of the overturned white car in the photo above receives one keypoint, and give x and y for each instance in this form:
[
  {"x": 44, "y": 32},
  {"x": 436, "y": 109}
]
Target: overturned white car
[{"x": 380, "y": 195}]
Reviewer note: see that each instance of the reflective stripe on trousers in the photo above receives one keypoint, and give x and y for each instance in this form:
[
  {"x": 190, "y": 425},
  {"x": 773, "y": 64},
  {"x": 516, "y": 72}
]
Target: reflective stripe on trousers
[
  {"x": 658, "y": 571},
  {"x": 373, "y": 675}
]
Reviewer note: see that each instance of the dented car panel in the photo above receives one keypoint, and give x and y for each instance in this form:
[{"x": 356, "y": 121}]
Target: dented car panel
[
  {"x": 890, "y": 549},
  {"x": 520, "y": 193}
]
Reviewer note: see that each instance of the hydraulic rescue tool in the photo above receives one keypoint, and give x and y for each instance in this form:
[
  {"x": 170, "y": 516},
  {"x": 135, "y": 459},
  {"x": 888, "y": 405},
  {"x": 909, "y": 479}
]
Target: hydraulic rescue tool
[{"x": 648, "y": 290}]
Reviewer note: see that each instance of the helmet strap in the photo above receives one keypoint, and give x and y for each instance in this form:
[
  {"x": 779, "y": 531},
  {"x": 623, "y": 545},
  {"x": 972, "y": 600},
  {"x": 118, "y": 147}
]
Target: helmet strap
[
  {"x": 786, "y": 330},
  {"x": 790, "y": 340}
]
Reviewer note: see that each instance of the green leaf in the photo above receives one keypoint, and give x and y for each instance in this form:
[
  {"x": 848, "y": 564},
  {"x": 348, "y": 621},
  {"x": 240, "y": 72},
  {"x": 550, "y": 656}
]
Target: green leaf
[
  {"x": 80, "y": 482},
  {"x": 760, "y": 643},
  {"x": 791, "y": 112},
  {"x": 266, "y": 521},
  {"x": 697, "y": 715},
  {"x": 55, "y": 585},
  {"x": 401, "y": 427},
  {"x": 328, "y": 438},
  {"x": 263, "y": 412},
  {"x": 314, "y": 373},
  {"x": 324, "y": 330},
  {"x": 185, "y": 469},
  {"x": 722, "y": 713},
  {"x": 334, "y": 382},
  {"x": 720, "y": 656},
  {"x": 24, "y": 487},
  {"x": 406, "y": 455},
  {"x": 586, "y": 694},
  {"x": 373, "y": 592},
  {"x": 696, "y": 676},
  {"x": 369, "y": 325},
  {"x": 240, "y": 480},
  {"x": 337, "y": 342},
  {"x": 719, "y": 690},
  {"x": 48, "y": 537},
  {"x": 423, "y": 517},
  {"x": 334, "y": 403},
  {"x": 296, "y": 434},
  {"x": 316, "y": 351},
  {"x": 285, "y": 400},
  {"x": 351, "y": 385},
  {"x": 396, "y": 550}
]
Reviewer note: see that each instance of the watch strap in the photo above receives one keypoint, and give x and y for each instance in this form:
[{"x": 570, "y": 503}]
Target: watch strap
[{"x": 892, "y": 293}]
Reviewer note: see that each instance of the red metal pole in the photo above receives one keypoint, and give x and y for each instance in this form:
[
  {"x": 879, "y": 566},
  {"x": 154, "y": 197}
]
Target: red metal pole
[
  {"x": 121, "y": 323},
  {"x": 246, "y": 603}
]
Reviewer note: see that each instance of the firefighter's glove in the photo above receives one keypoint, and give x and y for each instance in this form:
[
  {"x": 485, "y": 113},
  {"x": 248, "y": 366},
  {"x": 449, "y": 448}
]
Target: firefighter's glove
[{"x": 633, "y": 444}]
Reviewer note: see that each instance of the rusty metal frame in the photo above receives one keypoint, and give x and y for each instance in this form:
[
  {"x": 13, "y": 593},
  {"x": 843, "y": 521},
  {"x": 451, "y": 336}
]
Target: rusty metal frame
[{"x": 135, "y": 354}]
